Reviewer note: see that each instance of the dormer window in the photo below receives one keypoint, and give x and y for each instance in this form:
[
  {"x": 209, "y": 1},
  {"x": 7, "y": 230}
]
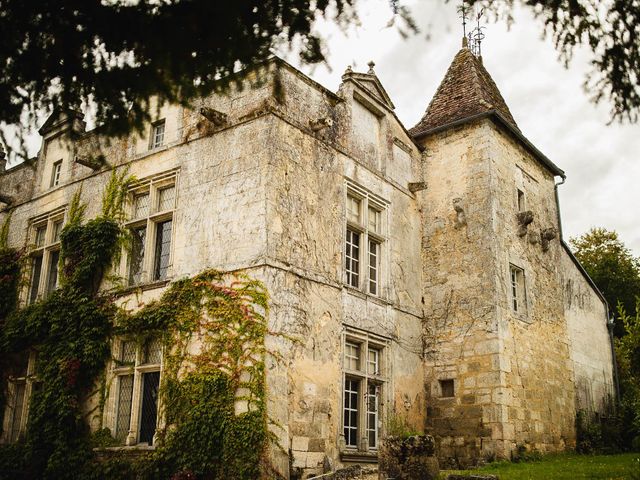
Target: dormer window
[
  {"x": 157, "y": 134},
  {"x": 55, "y": 174}
]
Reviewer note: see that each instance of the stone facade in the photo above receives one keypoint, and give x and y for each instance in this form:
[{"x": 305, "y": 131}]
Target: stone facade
[{"x": 264, "y": 176}]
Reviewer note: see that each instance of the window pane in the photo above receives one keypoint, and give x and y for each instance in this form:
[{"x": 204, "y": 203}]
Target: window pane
[
  {"x": 36, "y": 271},
  {"x": 351, "y": 412},
  {"x": 352, "y": 356},
  {"x": 373, "y": 401},
  {"x": 149, "y": 412},
  {"x": 353, "y": 209},
  {"x": 521, "y": 205},
  {"x": 123, "y": 418},
  {"x": 57, "y": 230},
  {"x": 374, "y": 254},
  {"x": 55, "y": 173},
  {"x": 375, "y": 220},
  {"x": 373, "y": 362},
  {"x": 52, "y": 278},
  {"x": 165, "y": 198},
  {"x": 18, "y": 409},
  {"x": 136, "y": 256},
  {"x": 163, "y": 247},
  {"x": 158, "y": 135},
  {"x": 141, "y": 205},
  {"x": 128, "y": 351},
  {"x": 40, "y": 234},
  {"x": 353, "y": 258},
  {"x": 152, "y": 351}
]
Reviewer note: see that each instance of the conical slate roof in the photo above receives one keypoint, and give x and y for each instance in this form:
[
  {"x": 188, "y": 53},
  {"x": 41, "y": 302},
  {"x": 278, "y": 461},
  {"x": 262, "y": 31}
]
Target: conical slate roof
[{"x": 466, "y": 91}]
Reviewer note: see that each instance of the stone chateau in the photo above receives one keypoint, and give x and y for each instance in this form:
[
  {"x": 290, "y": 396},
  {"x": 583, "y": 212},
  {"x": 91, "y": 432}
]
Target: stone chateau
[{"x": 423, "y": 270}]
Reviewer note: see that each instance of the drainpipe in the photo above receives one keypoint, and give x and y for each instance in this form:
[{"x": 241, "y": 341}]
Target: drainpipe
[
  {"x": 616, "y": 382},
  {"x": 555, "y": 191}
]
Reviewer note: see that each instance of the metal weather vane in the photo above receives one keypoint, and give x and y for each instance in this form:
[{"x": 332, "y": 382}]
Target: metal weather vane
[
  {"x": 477, "y": 35},
  {"x": 473, "y": 39}
]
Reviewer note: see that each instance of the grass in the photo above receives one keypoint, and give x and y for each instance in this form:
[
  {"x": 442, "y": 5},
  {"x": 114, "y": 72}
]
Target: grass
[{"x": 564, "y": 467}]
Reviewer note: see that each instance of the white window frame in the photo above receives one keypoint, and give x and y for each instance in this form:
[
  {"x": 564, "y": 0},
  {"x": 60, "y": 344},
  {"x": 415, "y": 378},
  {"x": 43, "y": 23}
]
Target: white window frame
[
  {"x": 158, "y": 134},
  {"x": 150, "y": 222},
  {"x": 47, "y": 251},
  {"x": 366, "y": 380},
  {"x": 56, "y": 171},
  {"x": 517, "y": 290},
  {"x": 11, "y": 432},
  {"x": 137, "y": 368},
  {"x": 371, "y": 267}
]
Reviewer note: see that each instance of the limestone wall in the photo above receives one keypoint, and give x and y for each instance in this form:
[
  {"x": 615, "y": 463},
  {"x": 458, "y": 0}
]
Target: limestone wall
[
  {"x": 462, "y": 342},
  {"x": 306, "y": 210},
  {"x": 539, "y": 389},
  {"x": 589, "y": 340}
]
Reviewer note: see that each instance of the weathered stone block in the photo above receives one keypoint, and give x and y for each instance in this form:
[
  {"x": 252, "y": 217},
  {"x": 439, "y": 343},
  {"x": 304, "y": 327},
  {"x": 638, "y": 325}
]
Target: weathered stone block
[
  {"x": 411, "y": 458},
  {"x": 300, "y": 443}
]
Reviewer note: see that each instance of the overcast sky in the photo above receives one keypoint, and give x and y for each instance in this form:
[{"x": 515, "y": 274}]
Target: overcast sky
[{"x": 547, "y": 101}]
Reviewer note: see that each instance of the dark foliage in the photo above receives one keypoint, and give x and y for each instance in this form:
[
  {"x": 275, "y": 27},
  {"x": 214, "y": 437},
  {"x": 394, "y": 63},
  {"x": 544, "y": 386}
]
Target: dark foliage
[{"x": 612, "y": 267}]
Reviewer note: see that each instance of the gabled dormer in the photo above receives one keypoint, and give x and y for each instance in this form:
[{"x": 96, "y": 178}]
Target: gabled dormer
[
  {"x": 375, "y": 136},
  {"x": 59, "y": 133}
]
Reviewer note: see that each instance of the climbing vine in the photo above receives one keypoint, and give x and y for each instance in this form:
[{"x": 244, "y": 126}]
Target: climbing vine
[{"x": 212, "y": 393}]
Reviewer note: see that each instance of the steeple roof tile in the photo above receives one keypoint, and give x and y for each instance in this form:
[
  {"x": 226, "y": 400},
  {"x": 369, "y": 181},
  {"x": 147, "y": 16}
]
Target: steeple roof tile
[{"x": 466, "y": 91}]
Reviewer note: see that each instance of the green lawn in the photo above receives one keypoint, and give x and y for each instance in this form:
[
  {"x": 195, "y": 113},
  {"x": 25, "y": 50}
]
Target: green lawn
[{"x": 565, "y": 467}]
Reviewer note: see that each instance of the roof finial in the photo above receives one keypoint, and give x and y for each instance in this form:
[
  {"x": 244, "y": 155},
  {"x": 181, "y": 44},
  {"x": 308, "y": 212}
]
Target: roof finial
[
  {"x": 463, "y": 10},
  {"x": 371, "y": 65}
]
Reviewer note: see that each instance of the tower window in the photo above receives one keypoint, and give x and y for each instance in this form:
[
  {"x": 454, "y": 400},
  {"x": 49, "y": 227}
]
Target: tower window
[
  {"x": 518, "y": 292},
  {"x": 447, "y": 388},
  {"x": 521, "y": 203}
]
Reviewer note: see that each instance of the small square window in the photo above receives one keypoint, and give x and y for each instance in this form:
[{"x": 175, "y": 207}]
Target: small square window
[
  {"x": 157, "y": 134},
  {"x": 447, "y": 388}
]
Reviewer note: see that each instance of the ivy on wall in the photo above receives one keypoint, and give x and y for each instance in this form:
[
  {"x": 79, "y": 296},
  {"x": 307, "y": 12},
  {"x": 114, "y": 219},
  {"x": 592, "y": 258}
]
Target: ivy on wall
[{"x": 212, "y": 393}]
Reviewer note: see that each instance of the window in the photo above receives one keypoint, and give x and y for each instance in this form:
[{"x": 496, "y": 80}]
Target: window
[
  {"x": 447, "y": 388},
  {"x": 518, "y": 292},
  {"x": 364, "y": 240},
  {"x": 21, "y": 382},
  {"x": 157, "y": 134},
  {"x": 151, "y": 226},
  {"x": 364, "y": 380},
  {"x": 137, "y": 380},
  {"x": 55, "y": 174},
  {"x": 521, "y": 201},
  {"x": 45, "y": 254}
]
